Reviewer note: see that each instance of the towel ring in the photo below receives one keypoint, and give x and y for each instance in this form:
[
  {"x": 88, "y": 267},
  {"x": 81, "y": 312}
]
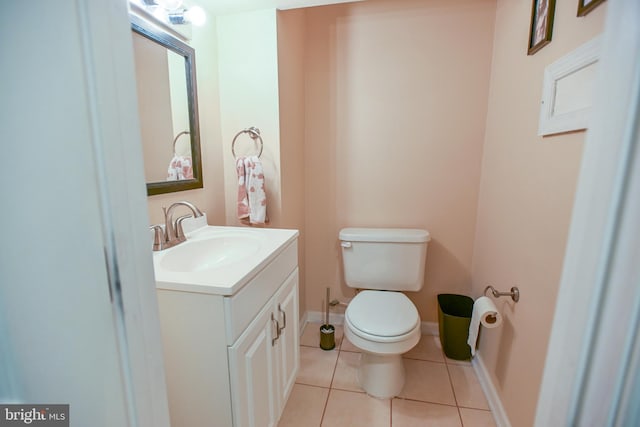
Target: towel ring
[
  {"x": 254, "y": 133},
  {"x": 184, "y": 132}
]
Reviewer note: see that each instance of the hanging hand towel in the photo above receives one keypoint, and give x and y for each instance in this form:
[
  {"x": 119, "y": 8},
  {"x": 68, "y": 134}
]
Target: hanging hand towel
[
  {"x": 180, "y": 168},
  {"x": 252, "y": 198},
  {"x": 255, "y": 190},
  {"x": 243, "y": 200}
]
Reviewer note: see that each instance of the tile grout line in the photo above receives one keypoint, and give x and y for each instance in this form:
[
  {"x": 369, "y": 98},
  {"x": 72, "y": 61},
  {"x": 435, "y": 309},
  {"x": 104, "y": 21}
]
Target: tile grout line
[
  {"x": 351, "y": 391},
  {"x": 326, "y": 403},
  {"x": 475, "y": 409},
  {"x": 454, "y": 390},
  {"x": 335, "y": 367},
  {"x": 430, "y": 402},
  {"x": 423, "y": 360},
  {"x": 324, "y": 409},
  {"x": 312, "y": 385}
]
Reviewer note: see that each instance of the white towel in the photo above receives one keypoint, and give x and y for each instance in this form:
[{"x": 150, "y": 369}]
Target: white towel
[
  {"x": 252, "y": 197},
  {"x": 243, "y": 200},
  {"x": 180, "y": 168}
]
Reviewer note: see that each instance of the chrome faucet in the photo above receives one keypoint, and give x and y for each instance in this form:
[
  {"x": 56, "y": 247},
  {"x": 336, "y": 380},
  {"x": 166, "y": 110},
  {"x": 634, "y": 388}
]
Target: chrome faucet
[{"x": 173, "y": 232}]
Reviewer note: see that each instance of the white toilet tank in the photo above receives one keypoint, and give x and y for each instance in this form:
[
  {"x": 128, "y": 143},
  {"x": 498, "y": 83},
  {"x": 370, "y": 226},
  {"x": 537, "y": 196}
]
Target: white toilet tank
[{"x": 384, "y": 258}]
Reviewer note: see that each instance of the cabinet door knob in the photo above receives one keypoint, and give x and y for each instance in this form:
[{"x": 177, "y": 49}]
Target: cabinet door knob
[
  {"x": 284, "y": 317},
  {"x": 273, "y": 340}
]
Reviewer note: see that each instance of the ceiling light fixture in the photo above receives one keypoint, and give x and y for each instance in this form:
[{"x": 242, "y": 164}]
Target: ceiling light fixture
[
  {"x": 173, "y": 12},
  {"x": 196, "y": 16},
  {"x": 169, "y": 4}
]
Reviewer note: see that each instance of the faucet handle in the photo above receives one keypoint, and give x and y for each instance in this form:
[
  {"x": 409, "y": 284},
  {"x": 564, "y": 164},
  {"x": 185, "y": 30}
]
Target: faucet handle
[
  {"x": 158, "y": 237},
  {"x": 179, "y": 231},
  {"x": 170, "y": 224}
]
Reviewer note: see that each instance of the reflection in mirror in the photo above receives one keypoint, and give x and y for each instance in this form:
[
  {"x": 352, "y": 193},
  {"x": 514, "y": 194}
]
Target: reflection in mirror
[{"x": 167, "y": 105}]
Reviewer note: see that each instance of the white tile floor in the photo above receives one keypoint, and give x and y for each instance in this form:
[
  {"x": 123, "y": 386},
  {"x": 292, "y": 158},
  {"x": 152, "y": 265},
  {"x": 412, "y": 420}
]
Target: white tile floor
[{"x": 438, "y": 392}]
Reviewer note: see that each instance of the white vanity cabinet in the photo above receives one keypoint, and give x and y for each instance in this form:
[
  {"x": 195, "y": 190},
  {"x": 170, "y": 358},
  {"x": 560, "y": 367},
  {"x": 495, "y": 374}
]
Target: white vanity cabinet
[
  {"x": 264, "y": 360},
  {"x": 231, "y": 359}
]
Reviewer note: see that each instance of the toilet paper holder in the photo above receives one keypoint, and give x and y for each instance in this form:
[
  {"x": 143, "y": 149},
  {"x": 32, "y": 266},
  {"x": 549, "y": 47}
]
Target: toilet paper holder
[{"x": 514, "y": 293}]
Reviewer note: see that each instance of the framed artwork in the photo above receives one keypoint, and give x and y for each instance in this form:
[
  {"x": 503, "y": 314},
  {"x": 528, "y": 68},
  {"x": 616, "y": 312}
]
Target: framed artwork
[
  {"x": 586, "y": 6},
  {"x": 542, "y": 12}
]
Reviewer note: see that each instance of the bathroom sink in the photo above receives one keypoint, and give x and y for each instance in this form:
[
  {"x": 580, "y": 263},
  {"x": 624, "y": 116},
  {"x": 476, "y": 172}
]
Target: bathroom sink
[
  {"x": 219, "y": 260},
  {"x": 212, "y": 251}
]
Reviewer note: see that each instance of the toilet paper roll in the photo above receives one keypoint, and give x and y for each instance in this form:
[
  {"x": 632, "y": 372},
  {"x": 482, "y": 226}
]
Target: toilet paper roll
[{"x": 486, "y": 314}]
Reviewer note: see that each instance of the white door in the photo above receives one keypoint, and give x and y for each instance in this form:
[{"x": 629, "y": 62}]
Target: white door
[
  {"x": 288, "y": 350},
  {"x": 76, "y": 286},
  {"x": 252, "y": 375}
]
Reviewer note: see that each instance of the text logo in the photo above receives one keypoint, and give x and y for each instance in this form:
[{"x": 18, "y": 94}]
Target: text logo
[{"x": 34, "y": 415}]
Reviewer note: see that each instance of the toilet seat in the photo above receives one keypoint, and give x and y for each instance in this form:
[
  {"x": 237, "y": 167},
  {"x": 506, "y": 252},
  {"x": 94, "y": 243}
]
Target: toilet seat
[{"x": 382, "y": 316}]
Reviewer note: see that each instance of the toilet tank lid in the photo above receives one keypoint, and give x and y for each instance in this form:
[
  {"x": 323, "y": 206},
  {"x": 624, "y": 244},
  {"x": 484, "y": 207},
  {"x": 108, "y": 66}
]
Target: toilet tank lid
[{"x": 400, "y": 235}]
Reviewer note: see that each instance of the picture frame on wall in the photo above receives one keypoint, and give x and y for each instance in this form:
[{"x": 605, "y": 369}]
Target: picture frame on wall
[
  {"x": 542, "y": 12},
  {"x": 586, "y": 6}
]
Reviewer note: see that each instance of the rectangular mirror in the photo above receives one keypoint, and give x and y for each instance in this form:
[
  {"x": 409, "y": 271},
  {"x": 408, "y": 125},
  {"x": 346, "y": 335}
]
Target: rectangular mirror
[{"x": 168, "y": 109}]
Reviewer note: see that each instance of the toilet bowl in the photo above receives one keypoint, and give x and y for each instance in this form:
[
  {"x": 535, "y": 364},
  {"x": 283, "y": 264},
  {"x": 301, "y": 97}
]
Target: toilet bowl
[
  {"x": 380, "y": 320},
  {"x": 384, "y": 325}
]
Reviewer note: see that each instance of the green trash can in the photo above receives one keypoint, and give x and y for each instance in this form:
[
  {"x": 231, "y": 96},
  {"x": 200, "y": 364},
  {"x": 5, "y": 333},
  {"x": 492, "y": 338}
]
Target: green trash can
[{"x": 454, "y": 317}]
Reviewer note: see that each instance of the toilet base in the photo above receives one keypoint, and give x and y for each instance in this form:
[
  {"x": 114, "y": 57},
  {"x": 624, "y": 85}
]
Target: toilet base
[{"x": 381, "y": 376}]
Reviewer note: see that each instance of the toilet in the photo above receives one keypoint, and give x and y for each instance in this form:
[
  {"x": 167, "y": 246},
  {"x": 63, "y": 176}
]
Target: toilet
[{"x": 380, "y": 320}]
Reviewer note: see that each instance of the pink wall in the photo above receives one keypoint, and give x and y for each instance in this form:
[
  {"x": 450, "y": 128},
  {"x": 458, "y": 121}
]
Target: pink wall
[
  {"x": 291, "y": 38},
  {"x": 526, "y": 196},
  {"x": 396, "y": 101}
]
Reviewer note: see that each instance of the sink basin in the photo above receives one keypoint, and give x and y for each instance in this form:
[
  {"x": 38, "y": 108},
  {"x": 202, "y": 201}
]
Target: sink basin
[
  {"x": 219, "y": 260},
  {"x": 211, "y": 250}
]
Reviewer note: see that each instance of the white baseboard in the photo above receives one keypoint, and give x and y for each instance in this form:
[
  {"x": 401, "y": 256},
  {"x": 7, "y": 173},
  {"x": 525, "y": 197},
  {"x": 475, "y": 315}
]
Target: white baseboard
[
  {"x": 318, "y": 317},
  {"x": 495, "y": 404},
  {"x": 303, "y": 322},
  {"x": 430, "y": 328},
  {"x": 427, "y": 328}
]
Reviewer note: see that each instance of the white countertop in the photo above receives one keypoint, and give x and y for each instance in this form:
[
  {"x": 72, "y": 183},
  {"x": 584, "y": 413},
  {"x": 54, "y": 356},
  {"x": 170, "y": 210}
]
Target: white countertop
[{"x": 228, "y": 277}]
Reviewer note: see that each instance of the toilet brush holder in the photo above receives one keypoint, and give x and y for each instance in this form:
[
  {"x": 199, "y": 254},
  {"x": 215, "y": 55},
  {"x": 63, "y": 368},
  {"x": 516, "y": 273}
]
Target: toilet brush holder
[
  {"x": 327, "y": 331},
  {"x": 327, "y": 337}
]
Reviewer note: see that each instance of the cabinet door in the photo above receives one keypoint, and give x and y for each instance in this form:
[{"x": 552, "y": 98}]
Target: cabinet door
[
  {"x": 253, "y": 379},
  {"x": 288, "y": 350}
]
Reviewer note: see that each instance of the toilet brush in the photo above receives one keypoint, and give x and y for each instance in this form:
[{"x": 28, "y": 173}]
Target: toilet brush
[{"x": 327, "y": 331}]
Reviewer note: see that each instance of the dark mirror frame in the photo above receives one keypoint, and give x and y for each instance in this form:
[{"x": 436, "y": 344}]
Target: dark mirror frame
[{"x": 145, "y": 29}]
